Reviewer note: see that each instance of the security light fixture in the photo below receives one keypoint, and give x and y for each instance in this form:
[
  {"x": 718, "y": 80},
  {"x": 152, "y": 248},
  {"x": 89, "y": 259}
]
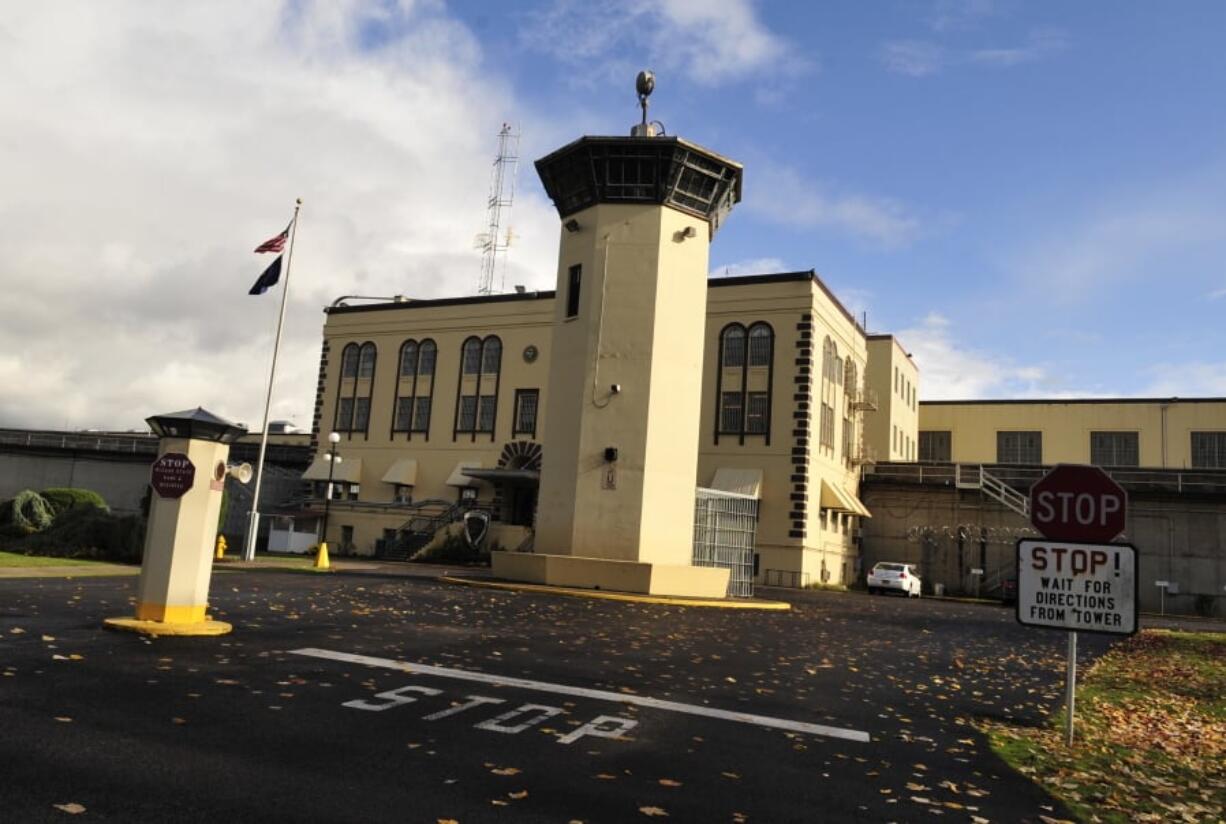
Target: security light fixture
[
  {"x": 615, "y": 389},
  {"x": 610, "y": 454},
  {"x": 571, "y": 225}
]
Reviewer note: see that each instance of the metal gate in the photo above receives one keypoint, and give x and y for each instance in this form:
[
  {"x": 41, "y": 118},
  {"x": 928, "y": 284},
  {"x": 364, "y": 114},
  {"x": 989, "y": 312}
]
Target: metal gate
[{"x": 725, "y": 527}]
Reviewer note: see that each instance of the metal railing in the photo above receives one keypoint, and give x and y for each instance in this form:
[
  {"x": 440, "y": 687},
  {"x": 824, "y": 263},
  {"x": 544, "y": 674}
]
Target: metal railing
[
  {"x": 1021, "y": 478},
  {"x": 725, "y": 530},
  {"x": 135, "y": 443}
]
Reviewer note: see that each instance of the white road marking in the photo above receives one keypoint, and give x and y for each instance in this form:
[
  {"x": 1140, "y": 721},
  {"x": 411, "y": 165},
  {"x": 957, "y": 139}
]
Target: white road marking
[
  {"x": 584, "y": 692},
  {"x": 499, "y": 723},
  {"x": 473, "y": 701}
]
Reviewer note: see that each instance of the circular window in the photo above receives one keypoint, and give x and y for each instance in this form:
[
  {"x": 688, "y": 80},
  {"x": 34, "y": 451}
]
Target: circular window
[{"x": 530, "y": 353}]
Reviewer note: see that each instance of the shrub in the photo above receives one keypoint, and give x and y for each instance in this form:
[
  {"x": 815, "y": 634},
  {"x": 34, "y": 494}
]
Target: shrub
[
  {"x": 64, "y": 498},
  {"x": 88, "y": 532},
  {"x": 27, "y": 513}
]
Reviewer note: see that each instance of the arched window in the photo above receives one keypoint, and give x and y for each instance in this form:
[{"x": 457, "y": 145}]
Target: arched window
[
  {"x": 743, "y": 383},
  {"x": 355, "y": 386},
  {"x": 732, "y": 346},
  {"x": 408, "y": 359},
  {"x": 414, "y": 389},
  {"x": 761, "y": 339},
  {"x": 349, "y": 361},
  {"x": 472, "y": 356},
  {"x": 477, "y": 390},
  {"x": 425, "y": 364}
]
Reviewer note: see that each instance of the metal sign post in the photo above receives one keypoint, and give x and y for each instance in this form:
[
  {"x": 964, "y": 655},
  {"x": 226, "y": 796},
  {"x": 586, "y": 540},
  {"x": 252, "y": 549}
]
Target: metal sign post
[{"x": 1070, "y": 688}]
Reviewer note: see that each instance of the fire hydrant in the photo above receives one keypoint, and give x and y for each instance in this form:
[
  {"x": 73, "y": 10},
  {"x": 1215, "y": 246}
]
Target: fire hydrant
[{"x": 221, "y": 548}]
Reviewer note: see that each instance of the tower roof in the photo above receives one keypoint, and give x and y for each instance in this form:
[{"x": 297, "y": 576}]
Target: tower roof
[{"x": 667, "y": 171}]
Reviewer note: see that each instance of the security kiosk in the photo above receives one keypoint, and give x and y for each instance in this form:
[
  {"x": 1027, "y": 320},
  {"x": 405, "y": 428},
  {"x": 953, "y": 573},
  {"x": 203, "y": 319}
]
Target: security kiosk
[{"x": 187, "y": 480}]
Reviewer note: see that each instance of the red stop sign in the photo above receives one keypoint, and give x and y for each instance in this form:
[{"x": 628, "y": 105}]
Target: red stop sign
[
  {"x": 1074, "y": 502},
  {"x": 172, "y": 475}
]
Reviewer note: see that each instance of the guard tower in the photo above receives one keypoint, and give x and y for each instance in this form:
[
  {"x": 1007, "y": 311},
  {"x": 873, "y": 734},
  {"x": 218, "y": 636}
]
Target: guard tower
[{"x": 616, "y": 502}]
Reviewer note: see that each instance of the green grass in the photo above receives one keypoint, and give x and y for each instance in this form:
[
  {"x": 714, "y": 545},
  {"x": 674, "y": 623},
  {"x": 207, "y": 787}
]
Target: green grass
[
  {"x": 1150, "y": 734},
  {"x": 13, "y": 559}
]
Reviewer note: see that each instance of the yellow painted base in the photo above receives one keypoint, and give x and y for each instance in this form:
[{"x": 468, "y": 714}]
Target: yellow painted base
[
  {"x": 170, "y": 613},
  {"x": 203, "y": 627},
  {"x": 629, "y": 597},
  {"x": 603, "y": 574}
]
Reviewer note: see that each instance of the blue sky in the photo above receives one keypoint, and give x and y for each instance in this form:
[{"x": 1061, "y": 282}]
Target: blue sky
[{"x": 1031, "y": 195}]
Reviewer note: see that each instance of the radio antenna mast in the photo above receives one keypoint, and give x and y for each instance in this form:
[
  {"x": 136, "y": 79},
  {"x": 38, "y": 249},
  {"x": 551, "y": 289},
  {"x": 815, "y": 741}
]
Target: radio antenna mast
[{"x": 498, "y": 207}]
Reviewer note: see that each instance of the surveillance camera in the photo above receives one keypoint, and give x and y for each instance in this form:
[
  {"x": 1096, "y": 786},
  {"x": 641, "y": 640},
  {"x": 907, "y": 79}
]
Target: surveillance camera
[{"x": 616, "y": 388}]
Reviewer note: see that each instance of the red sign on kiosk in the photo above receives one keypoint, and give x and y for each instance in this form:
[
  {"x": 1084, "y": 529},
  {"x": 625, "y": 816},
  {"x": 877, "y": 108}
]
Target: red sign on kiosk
[
  {"x": 172, "y": 475},
  {"x": 1073, "y": 502}
]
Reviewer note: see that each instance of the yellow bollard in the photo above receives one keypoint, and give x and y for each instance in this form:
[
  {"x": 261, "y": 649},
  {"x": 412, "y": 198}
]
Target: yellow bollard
[
  {"x": 321, "y": 557},
  {"x": 220, "y": 555}
]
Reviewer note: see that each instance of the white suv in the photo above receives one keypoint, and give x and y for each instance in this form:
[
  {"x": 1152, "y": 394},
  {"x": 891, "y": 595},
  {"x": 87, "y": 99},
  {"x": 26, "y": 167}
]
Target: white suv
[{"x": 886, "y": 576}]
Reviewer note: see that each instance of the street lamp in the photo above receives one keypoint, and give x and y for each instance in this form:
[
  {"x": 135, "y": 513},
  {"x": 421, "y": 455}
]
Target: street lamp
[{"x": 333, "y": 459}]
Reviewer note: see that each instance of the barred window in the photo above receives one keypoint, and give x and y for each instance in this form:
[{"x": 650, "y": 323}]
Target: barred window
[
  {"x": 827, "y": 425},
  {"x": 491, "y": 356},
  {"x": 1209, "y": 450},
  {"x": 730, "y": 413},
  {"x": 757, "y": 412},
  {"x": 472, "y": 356},
  {"x": 408, "y": 359},
  {"x": 1115, "y": 449},
  {"x": 421, "y": 416},
  {"x": 468, "y": 414},
  {"x": 361, "y": 414},
  {"x": 366, "y": 361},
  {"x": 760, "y": 340},
  {"x": 734, "y": 346},
  {"x": 344, "y": 415},
  {"x": 404, "y": 414},
  {"x": 1019, "y": 447},
  {"x": 425, "y": 364},
  {"x": 349, "y": 361},
  {"x": 485, "y": 422},
  {"x": 848, "y": 438},
  {"x": 526, "y": 402},
  {"x": 935, "y": 446}
]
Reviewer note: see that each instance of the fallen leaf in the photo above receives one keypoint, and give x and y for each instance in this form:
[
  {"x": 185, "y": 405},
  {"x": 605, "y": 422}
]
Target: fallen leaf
[
  {"x": 668, "y": 782},
  {"x": 505, "y": 771},
  {"x": 72, "y": 808},
  {"x": 653, "y": 811},
  {"x": 521, "y": 794}
]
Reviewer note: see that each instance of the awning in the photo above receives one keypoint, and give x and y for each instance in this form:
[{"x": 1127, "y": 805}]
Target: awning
[
  {"x": 402, "y": 472},
  {"x": 837, "y": 498},
  {"x": 740, "y": 481},
  {"x": 516, "y": 477},
  {"x": 348, "y": 471},
  {"x": 457, "y": 476}
]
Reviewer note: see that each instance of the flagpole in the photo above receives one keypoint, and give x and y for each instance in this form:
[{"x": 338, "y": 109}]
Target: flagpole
[{"x": 253, "y": 523}]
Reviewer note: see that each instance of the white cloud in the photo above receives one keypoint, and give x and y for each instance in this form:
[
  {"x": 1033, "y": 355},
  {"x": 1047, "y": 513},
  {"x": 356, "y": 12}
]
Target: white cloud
[
  {"x": 712, "y": 41},
  {"x": 916, "y": 58},
  {"x": 780, "y": 194},
  {"x": 1187, "y": 380},
  {"x": 145, "y": 155},
  {"x": 1040, "y": 44},
  {"x": 952, "y": 15},
  {"x": 949, "y": 371},
  {"x": 1217, "y": 293},
  {"x": 754, "y": 266}
]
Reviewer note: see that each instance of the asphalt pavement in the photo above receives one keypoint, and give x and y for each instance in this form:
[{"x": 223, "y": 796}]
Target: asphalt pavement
[{"x": 523, "y": 707}]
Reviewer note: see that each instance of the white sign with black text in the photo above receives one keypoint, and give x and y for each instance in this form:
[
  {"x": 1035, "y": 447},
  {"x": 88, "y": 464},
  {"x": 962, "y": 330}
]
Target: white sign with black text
[{"x": 1076, "y": 586}]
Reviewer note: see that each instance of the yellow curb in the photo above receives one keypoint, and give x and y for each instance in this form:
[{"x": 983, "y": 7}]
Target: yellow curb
[
  {"x": 205, "y": 627},
  {"x": 629, "y": 597}
]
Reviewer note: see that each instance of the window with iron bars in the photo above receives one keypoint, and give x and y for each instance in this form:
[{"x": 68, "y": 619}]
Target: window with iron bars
[
  {"x": 1209, "y": 450},
  {"x": 1019, "y": 447},
  {"x": 1115, "y": 449}
]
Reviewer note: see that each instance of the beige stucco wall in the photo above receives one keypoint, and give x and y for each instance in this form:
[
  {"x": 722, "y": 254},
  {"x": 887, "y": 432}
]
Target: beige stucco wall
[
  {"x": 892, "y": 429},
  {"x": 795, "y": 535},
  {"x": 639, "y": 326},
  {"x": 1066, "y": 427}
]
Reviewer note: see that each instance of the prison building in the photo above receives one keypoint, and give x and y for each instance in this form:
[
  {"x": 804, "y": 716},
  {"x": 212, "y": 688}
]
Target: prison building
[{"x": 440, "y": 405}]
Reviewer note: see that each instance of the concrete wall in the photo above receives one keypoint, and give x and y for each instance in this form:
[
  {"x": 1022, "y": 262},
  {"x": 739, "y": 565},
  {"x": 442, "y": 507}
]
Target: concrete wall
[
  {"x": 121, "y": 481},
  {"x": 1178, "y": 538},
  {"x": 1164, "y": 427}
]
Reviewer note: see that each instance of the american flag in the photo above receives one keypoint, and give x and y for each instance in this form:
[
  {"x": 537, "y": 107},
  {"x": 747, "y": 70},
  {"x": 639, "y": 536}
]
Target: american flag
[{"x": 275, "y": 244}]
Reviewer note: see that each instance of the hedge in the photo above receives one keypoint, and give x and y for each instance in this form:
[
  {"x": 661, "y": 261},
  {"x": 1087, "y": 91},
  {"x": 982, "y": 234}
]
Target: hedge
[{"x": 63, "y": 498}]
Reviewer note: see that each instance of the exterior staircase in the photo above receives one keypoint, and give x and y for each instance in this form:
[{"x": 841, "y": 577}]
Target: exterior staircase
[
  {"x": 427, "y": 518},
  {"x": 974, "y": 476}
]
